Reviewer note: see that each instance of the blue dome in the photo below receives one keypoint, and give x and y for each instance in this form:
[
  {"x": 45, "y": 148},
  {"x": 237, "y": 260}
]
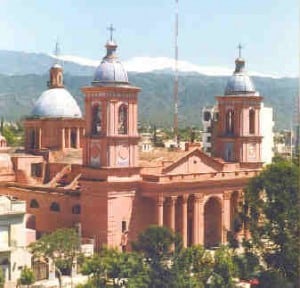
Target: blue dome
[
  {"x": 110, "y": 71},
  {"x": 56, "y": 103},
  {"x": 239, "y": 82}
]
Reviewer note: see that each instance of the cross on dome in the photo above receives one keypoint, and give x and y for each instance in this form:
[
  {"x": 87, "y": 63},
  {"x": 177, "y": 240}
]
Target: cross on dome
[
  {"x": 57, "y": 49},
  {"x": 240, "y": 47},
  {"x": 111, "y": 29}
]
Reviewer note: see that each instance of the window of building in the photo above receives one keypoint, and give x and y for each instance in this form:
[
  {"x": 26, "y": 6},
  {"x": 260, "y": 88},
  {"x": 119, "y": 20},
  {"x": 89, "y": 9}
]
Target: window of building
[
  {"x": 124, "y": 226},
  {"x": 55, "y": 207},
  {"x": 76, "y": 209},
  {"x": 123, "y": 119},
  {"x": 230, "y": 121},
  {"x": 207, "y": 116},
  {"x": 96, "y": 119},
  {"x": 34, "y": 203},
  {"x": 251, "y": 121},
  {"x": 208, "y": 139},
  {"x": 208, "y": 129},
  {"x": 36, "y": 169}
]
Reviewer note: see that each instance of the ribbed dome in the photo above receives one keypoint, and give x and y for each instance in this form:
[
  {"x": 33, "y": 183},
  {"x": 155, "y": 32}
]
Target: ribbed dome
[
  {"x": 110, "y": 71},
  {"x": 56, "y": 103},
  {"x": 239, "y": 82}
]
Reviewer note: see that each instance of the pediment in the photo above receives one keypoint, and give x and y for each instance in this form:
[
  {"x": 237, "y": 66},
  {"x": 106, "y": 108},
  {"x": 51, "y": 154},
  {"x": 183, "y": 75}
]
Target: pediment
[{"x": 193, "y": 162}]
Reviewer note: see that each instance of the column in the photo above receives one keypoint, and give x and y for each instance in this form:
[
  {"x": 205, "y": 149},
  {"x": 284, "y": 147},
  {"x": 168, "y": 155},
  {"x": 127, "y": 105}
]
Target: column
[
  {"x": 77, "y": 138},
  {"x": 198, "y": 219},
  {"x": 172, "y": 213},
  {"x": 160, "y": 210},
  {"x": 184, "y": 225},
  {"x": 226, "y": 215},
  {"x": 63, "y": 140},
  {"x": 40, "y": 139}
]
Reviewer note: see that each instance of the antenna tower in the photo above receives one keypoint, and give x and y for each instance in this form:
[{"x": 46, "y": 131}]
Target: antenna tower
[{"x": 176, "y": 136}]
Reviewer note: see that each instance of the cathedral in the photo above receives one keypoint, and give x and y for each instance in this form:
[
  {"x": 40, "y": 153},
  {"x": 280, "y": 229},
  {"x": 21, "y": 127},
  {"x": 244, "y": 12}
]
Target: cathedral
[{"x": 88, "y": 172}]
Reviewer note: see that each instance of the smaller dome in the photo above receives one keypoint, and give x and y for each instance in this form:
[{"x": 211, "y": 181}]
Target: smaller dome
[
  {"x": 239, "y": 82},
  {"x": 56, "y": 103},
  {"x": 110, "y": 71}
]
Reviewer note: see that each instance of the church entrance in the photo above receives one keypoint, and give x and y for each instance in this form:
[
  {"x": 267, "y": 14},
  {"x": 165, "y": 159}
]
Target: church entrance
[{"x": 212, "y": 222}]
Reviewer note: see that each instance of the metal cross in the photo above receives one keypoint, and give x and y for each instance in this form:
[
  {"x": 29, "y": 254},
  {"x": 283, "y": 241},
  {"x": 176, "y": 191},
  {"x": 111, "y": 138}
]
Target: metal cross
[
  {"x": 111, "y": 29},
  {"x": 240, "y": 47},
  {"x": 57, "y": 49}
]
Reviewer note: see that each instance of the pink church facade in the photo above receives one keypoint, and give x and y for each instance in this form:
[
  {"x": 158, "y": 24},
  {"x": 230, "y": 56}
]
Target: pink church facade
[{"x": 112, "y": 188}]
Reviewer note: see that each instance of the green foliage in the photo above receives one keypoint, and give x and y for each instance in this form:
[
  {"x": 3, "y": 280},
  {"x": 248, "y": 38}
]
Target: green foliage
[
  {"x": 155, "y": 243},
  {"x": 247, "y": 265},
  {"x": 62, "y": 246},
  {"x": 195, "y": 265},
  {"x": 26, "y": 277},
  {"x": 273, "y": 214},
  {"x": 225, "y": 266},
  {"x": 89, "y": 284},
  {"x": 2, "y": 279},
  {"x": 13, "y": 133},
  {"x": 112, "y": 264},
  {"x": 95, "y": 267},
  {"x": 273, "y": 279}
]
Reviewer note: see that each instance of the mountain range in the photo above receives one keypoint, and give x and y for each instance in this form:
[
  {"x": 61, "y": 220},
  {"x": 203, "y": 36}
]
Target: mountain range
[{"x": 23, "y": 77}]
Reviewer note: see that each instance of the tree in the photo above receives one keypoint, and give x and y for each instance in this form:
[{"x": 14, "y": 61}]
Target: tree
[
  {"x": 61, "y": 246},
  {"x": 159, "y": 246},
  {"x": 125, "y": 269},
  {"x": 27, "y": 277},
  {"x": 194, "y": 264},
  {"x": 95, "y": 267},
  {"x": 224, "y": 266},
  {"x": 155, "y": 243},
  {"x": 273, "y": 214}
]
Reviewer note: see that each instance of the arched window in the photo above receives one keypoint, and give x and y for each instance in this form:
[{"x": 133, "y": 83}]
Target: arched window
[
  {"x": 230, "y": 121},
  {"x": 34, "y": 204},
  {"x": 251, "y": 121},
  {"x": 76, "y": 209},
  {"x": 123, "y": 119},
  {"x": 59, "y": 80},
  {"x": 207, "y": 116},
  {"x": 55, "y": 207},
  {"x": 96, "y": 119}
]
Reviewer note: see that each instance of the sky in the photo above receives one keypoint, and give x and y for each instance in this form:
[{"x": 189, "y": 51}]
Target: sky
[{"x": 209, "y": 31}]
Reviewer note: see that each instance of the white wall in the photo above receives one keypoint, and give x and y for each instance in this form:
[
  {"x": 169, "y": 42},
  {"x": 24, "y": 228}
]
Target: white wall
[{"x": 266, "y": 129}]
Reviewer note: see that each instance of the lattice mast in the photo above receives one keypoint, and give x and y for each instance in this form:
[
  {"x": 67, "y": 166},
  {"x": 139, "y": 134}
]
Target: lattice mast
[{"x": 175, "y": 96}]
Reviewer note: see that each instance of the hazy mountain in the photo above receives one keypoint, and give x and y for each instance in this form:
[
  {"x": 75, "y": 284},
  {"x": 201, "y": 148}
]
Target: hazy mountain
[{"x": 18, "y": 91}]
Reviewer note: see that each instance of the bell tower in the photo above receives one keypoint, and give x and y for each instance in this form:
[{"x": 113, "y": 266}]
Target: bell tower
[
  {"x": 237, "y": 135},
  {"x": 111, "y": 115}
]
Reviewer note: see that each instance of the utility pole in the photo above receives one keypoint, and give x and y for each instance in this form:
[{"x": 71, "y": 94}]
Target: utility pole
[{"x": 175, "y": 123}]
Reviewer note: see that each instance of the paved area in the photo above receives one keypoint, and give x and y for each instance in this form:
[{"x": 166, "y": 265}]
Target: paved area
[{"x": 67, "y": 282}]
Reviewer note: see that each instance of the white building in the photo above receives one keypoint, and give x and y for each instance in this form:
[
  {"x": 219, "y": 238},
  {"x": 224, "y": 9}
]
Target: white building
[
  {"x": 209, "y": 114},
  {"x": 266, "y": 126},
  {"x": 13, "y": 241}
]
